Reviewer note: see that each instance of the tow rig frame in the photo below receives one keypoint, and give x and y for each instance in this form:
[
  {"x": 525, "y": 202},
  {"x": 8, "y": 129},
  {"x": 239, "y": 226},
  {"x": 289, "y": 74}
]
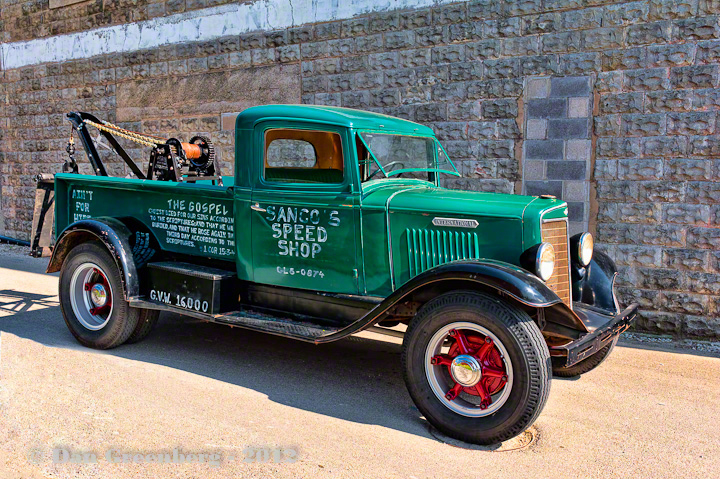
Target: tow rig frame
[{"x": 170, "y": 160}]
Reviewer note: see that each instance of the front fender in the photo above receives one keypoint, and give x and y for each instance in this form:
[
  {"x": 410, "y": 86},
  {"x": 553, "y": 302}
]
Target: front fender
[
  {"x": 509, "y": 279},
  {"x": 504, "y": 278},
  {"x": 593, "y": 285},
  {"x": 116, "y": 238}
]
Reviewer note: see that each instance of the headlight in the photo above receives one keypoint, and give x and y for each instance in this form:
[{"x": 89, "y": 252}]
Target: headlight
[
  {"x": 582, "y": 246},
  {"x": 539, "y": 260},
  {"x": 545, "y": 262}
]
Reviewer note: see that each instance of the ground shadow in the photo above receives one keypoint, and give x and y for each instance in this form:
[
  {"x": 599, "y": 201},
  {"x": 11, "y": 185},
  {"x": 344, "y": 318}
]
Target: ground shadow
[
  {"x": 355, "y": 379},
  {"x": 692, "y": 347},
  {"x": 14, "y": 302}
]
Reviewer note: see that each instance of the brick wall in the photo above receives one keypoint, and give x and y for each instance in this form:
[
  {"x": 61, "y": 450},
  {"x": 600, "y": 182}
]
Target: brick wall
[
  {"x": 642, "y": 173},
  {"x": 558, "y": 150}
]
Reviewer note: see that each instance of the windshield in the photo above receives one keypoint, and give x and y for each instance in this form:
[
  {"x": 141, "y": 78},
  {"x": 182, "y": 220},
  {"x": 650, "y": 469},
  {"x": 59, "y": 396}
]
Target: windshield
[{"x": 404, "y": 155}]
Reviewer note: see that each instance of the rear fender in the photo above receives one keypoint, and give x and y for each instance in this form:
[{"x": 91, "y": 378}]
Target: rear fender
[{"x": 116, "y": 238}]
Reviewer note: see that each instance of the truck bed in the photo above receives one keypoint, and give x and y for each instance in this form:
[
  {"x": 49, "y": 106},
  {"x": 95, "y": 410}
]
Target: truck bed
[{"x": 188, "y": 218}]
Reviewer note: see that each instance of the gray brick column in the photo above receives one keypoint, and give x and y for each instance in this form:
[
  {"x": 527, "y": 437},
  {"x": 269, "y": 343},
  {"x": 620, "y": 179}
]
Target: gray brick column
[
  {"x": 2, "y": 212},
  {"x": 558, "y": 146}
]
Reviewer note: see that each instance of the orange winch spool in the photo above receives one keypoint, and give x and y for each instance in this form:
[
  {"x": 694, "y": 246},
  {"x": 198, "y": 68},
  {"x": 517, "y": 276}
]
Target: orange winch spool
[{"x": 192, "y": 151}]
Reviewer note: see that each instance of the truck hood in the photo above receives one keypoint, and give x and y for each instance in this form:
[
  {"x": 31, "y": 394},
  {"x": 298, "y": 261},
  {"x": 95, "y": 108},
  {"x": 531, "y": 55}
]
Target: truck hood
[
  {"x": 427, "y": 226},
  {"x": 420, "y": 196}
]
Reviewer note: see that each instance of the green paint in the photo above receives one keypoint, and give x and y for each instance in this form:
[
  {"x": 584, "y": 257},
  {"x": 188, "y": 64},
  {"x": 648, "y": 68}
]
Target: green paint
[
  {"x": 190, "y": 219},
  {"x": 346, "y": 237}
]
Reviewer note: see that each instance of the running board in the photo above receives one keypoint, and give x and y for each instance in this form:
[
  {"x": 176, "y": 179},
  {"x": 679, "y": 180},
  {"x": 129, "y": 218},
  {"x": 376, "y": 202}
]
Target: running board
[
  {"x": 291, "y": 326},
  {"x": 209, "y": 294}
]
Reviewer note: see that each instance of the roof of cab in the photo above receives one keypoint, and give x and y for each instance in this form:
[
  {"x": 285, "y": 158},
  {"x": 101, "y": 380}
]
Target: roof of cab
[{"x": 347, "y": 117}]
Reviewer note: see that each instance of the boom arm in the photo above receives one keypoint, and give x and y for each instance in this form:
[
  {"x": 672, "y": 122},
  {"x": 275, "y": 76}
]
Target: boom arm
[
  {"x": 77, "y": 119},
  {"x": 170, "y": 160}
]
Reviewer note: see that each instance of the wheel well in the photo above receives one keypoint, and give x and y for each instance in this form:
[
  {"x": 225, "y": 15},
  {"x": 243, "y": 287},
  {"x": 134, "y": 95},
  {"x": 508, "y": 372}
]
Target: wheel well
[
  {"x": 75, "y": 238},
  {"x": 114, "y": 238},
  {"x": 555, "y": 321},
  {"x": 63, "y": 248},
  {"x": 409, "y": 305}
]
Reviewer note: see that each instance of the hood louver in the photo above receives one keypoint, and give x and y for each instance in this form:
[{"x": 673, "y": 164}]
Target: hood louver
[{"x": 430, "y": 248}]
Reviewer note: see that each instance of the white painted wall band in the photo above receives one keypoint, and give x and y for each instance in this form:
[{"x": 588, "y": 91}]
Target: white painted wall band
[{"x": 199, "y": 25}]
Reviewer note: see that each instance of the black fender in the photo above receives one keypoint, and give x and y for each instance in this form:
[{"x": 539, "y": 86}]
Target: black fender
[
  {"x": 516, "y": 282},
  {"x": 504, "y": 278},
  {"x": 594, "y": 284},
  {"x": 114, "y": 234}
]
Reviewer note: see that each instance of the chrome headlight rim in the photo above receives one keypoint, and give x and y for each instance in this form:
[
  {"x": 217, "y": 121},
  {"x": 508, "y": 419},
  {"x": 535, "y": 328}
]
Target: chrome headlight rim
[
  {"x": 544, "y": 249},
  {"x": 585, "y": 249}
]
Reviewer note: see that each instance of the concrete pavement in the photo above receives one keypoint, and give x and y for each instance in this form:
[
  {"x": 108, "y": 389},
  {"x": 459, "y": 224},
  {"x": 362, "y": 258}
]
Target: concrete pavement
[{"x": 342, "y": 408}]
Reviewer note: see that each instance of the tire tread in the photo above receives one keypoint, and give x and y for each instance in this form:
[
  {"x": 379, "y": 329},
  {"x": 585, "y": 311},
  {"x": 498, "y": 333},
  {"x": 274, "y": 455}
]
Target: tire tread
[
  {"x": 531, "y": 342},
  {"x": 114, "y": 334},
  {"x": 146, "y": 323}
]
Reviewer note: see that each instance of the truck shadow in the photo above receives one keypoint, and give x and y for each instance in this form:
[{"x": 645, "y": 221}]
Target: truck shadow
[
  {"x": 13, "y": 302},
  {"x": 355, "y": 379}
]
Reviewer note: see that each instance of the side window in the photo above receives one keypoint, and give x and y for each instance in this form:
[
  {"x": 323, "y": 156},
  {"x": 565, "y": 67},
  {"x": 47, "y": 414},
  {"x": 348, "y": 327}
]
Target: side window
[
  {"x": 291, "y": 154},
  {"x": 303, "y": 156}
]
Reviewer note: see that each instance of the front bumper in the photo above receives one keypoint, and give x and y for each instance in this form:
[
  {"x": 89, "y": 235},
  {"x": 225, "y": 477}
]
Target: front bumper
[{"x": 594, "y": 341}]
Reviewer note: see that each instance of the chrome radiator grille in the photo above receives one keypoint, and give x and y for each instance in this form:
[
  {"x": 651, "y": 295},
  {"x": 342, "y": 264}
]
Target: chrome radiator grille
[
  {"x": 555, "y": 233},
  {"x": 428, "y": 248}
]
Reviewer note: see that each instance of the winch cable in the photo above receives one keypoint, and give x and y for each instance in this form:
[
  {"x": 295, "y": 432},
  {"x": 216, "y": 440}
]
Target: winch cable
[
  {"x": 109, "y": 130},
  {"x": 146, "y": 140},
  {"x": 198, "y": 155},
  {"x": 127, "y": 134}
]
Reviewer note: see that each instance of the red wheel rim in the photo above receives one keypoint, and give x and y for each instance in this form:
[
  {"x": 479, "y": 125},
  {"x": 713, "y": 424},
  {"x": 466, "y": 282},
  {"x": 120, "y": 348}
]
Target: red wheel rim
[{"x": 471, "y": 372}]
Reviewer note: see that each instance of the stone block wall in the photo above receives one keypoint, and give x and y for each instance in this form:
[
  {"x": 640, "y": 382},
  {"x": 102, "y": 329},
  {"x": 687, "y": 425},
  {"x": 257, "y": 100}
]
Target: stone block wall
[
  {"x": 610, "y": 105},
  {"x": 558, "y": 146},
  {"x": 29, "y": 19}
]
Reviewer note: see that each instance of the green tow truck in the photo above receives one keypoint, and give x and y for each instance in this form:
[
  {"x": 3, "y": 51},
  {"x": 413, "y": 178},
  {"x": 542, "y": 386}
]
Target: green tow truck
[{"x": 335, "y": 223}]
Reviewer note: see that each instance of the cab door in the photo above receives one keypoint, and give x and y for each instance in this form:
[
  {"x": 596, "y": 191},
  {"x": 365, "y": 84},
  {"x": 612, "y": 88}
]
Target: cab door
[{"x": 304, "y": 211}]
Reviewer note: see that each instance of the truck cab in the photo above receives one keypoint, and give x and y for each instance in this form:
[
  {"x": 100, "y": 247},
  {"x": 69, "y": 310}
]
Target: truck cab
[
  {"x": 347, "y": 201},
  {"x": 336, "y": 221},
  {"x": 314, "y": 196}
]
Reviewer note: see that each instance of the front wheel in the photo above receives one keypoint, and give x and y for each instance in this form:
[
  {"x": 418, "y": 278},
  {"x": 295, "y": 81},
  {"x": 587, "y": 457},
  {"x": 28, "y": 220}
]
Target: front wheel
[
  {"x": 476, "y": 367},
  {"x": 92, "y": 300}
]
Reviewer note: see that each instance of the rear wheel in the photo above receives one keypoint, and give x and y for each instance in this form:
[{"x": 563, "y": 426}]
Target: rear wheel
[
  {"x": 92, "y": 300},
  {"x": 476, "y": 367},
  {"x": 584, "y": 366},
  {"x": 146, "y": 323}
]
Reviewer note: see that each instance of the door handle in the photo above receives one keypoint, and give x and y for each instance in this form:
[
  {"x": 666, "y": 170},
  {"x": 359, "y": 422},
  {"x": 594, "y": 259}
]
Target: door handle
[{"x": 256, "y": 207}]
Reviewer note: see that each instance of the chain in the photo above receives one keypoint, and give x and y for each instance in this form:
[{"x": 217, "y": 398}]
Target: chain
[
  {"x": 70, "y": 165},
  {"x": 130, "y": 132},
  {"x": 127, "y": 134}
]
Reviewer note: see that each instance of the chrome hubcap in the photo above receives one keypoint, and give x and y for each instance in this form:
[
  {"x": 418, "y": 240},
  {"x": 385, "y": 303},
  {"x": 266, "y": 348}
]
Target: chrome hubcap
[
  {"x": 466, "y": 370},
  {"x": 91, "y": 296},
  {"x": 98, "y": 295}
]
